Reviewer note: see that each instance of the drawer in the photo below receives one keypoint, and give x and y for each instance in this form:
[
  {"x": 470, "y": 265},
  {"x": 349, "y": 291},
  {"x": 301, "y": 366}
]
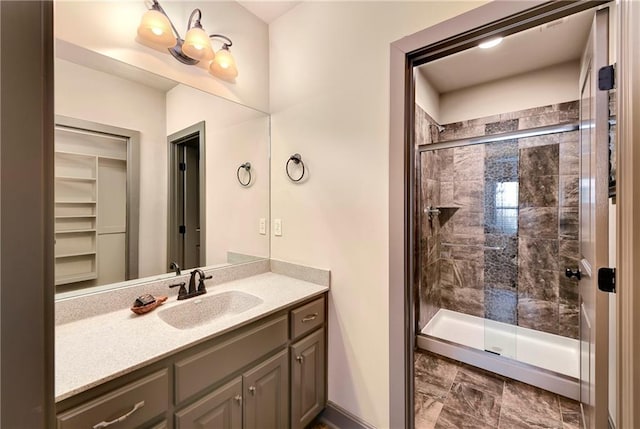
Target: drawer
[
  {"x": 306, "y": 318},
  {"x": 212, "y": 365},
  {"x": 135, "y": 404}
]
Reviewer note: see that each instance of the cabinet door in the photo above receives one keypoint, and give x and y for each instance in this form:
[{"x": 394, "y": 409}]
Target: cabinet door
[
  {"x": 266, "y": 394},
  {"x": 221, "y": 409},
  {"x": 308, "y": 396}
]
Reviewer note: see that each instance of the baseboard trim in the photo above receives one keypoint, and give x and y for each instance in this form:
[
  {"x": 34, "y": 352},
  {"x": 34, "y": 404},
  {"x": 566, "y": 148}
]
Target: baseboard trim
[{"x": 337, "y": 417}]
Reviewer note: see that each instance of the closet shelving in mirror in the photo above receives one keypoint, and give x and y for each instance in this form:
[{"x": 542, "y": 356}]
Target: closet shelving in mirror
[{"x": 75, "y": 217}]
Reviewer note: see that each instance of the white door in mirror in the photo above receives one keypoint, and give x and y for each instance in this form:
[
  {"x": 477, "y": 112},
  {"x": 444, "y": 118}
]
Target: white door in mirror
[{"x": 277, "y": 227}]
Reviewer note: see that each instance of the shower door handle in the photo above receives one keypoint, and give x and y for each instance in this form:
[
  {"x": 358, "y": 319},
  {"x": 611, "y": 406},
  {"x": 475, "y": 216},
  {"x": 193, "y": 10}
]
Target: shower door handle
[{"x": 573, "y": 273}]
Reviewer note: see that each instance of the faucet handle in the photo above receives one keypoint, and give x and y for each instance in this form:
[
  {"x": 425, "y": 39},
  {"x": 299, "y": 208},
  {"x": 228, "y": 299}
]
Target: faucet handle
[
  {"x": 182, "y": 291},
  {"x": 201, "y": 287}
]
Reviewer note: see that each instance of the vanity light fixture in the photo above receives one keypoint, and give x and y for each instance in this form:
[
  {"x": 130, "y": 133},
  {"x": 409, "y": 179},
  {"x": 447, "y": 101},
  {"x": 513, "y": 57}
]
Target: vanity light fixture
[
  {"x": 157, "y": 31},
  {"x": 490, "y": 43}
]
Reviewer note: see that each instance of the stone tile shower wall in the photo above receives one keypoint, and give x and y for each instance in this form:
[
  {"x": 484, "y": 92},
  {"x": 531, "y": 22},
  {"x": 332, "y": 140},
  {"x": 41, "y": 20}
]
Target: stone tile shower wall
[
  {"x": 427, "y": 273},
  {"x": 508, "y": 225}
]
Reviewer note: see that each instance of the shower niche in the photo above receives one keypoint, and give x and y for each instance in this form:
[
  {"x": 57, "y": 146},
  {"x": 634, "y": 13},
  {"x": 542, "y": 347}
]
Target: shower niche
[{"x": 497, "y": 223}]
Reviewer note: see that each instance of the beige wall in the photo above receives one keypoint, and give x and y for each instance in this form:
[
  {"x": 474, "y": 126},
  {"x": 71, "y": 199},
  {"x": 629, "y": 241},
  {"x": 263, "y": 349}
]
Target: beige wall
[
  {"x": 110, "y": 28},
  {"x": 330, "y": 103},
  {"x": 427, "y": 97},
  {"x": 234, "y": 134},
  {"x": 91, "y": 95},
  {"x": 551, "y": 85}
]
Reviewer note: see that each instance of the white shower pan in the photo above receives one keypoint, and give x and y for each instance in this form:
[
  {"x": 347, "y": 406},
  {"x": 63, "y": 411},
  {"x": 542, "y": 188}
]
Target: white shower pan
[{"x": 551, "y": 352}]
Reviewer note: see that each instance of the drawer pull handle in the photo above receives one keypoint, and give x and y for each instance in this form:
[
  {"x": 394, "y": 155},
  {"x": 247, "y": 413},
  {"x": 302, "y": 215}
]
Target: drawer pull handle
[
  {"x": 300, "y": 359},
  {"x": 309, "y": 317},
  {"x": 122, "y": 418},
  {"x": 252, "y": 389},
  {"x": 238, "y": 399}
]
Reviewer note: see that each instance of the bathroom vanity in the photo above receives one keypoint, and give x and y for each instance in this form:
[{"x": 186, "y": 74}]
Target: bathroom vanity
[{"x": 263, "y": 367}]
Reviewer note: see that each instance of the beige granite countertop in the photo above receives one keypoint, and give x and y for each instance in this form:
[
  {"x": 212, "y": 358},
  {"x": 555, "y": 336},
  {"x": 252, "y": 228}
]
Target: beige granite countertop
[{"x": 94, "y": 350}]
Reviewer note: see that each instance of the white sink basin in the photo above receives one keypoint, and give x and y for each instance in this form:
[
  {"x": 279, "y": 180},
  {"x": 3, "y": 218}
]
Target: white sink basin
[{"x": 202, "y": 309}]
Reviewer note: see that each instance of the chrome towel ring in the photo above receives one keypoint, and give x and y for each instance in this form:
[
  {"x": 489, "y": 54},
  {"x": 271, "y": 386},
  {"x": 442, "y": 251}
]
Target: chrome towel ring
[
  {"x": 296, "y": 158},
  {"x": 247, "y": 167}
]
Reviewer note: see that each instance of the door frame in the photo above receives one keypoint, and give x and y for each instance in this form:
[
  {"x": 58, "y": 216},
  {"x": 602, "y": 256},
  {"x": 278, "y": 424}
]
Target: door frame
[
  {"x": 133, "y": 183},
  {"x": 172, "y": 140},
  {"x": 26, "y": 215},
  {"x": 497, "y": 18},
  {"x": 628, "y": 209},
  {"x": 594, "y": 304}
]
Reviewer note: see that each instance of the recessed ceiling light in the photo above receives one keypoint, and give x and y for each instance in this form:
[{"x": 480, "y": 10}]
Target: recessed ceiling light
[{"x": 490, "y": 43}]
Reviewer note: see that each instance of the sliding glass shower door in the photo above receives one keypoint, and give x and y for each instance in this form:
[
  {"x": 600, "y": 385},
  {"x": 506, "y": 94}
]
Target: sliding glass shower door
[{"x": 497, "y": 223}]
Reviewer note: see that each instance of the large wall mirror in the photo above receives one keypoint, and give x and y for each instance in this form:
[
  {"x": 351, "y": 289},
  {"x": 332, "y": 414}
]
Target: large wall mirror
[{"x": 150, "y": 171}]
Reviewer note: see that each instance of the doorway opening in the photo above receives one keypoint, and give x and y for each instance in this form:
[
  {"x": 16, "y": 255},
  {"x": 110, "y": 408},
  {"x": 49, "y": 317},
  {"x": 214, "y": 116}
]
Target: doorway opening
[
  {"x": 486, "y": 237},
  {"x": 186, "y": 223}
]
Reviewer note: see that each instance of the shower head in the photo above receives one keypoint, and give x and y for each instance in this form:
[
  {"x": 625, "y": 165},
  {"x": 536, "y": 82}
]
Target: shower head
[{"x": 440, "y": 128}]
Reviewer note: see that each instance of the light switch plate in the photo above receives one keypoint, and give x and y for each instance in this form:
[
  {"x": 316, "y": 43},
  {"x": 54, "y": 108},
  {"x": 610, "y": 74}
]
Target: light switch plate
[
  {"x": 277, "y": 227},
  {"x": 263, "y": 226}
]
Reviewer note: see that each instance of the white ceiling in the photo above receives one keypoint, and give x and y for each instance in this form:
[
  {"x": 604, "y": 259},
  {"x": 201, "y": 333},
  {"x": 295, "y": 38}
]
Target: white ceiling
[
  {"x": 268, "y": 10},
  {"x": 539, "y": 47}
]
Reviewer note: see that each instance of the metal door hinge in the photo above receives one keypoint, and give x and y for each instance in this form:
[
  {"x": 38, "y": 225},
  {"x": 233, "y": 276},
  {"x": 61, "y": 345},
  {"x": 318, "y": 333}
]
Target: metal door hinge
[
  {"x": 607, "y": 78},
  {"x": 182, "y": 229},
  {"x": 607, "y": 280}
]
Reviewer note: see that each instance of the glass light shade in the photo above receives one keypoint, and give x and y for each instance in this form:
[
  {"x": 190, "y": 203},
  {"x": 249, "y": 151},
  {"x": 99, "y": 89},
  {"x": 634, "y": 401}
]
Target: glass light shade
[
  {"x": 155, "y": 29},
  {"x": 223, "y": 65},
  {"x": 490, "y": 43},
  {"x": 197, "y": 45}
]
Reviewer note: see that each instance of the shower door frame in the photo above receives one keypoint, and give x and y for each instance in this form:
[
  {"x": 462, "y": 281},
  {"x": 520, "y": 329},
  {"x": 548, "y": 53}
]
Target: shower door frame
[
  {"x": 449, "y": 37},
  {"x": 503, "y": 365}
]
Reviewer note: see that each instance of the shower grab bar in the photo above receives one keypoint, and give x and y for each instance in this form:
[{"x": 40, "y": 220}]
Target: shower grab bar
[{"x": 473, "y": 245}]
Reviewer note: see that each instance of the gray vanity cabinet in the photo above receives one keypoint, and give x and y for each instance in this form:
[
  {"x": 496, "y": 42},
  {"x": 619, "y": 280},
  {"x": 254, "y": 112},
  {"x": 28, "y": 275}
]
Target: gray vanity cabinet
[
  {"x": 308, "y": 378},
  {"x": 266, "y": 392},
  {"x": 268, "y": 374},
  {"x": 221, "y": 409},
  {"x": 256, "y": 400}
]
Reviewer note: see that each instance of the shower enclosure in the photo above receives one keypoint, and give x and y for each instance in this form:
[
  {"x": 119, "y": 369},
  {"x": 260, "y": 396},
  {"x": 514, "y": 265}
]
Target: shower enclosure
[{"x": 497, "y": 224}]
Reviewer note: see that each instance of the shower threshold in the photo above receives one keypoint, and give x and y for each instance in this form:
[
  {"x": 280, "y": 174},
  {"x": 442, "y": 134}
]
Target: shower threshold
[{"x": 551, "y": 352}]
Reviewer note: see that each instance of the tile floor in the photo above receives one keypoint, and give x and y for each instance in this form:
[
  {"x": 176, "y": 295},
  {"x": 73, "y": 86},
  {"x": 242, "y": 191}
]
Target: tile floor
[
  {"x": 317, "y": 425},
  {"x": 453, "y": 395}
]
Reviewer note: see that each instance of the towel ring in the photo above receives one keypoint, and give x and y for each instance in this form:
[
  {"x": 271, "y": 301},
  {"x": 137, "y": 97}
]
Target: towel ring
[
  {"x": 247, "y": 168},
  {"x": 297, "y": 159}
]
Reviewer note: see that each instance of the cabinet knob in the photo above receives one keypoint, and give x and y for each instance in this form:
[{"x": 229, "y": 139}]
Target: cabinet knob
[
  {"x": 238, "y": 399},
  {"x": 300, "y": 358},
  {"x": 252, "y": 389}
]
